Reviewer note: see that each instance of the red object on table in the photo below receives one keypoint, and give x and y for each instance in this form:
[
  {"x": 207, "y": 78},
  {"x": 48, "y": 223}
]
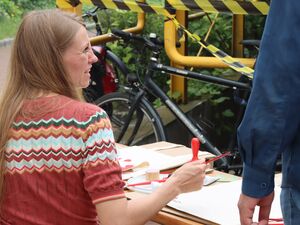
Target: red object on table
[{"x": 195, "y": 148}]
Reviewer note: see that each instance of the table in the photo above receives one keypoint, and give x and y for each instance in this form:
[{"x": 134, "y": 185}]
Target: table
[{"x": 169, "y": 216}]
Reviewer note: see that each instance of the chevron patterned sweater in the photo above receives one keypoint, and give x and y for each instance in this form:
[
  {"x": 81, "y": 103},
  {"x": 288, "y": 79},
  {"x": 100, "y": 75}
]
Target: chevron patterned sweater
[{"x": 60, "y": 162}]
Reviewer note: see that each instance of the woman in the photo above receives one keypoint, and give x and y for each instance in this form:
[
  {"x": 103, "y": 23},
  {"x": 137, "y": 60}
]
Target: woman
[{"x": 58, "y": 153}]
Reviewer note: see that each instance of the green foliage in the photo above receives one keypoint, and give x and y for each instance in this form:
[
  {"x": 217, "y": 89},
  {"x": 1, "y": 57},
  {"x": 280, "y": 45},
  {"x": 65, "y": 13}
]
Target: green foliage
[
  {"x": 254, "y": 26},
  {"x": 157, "y": 103},
  {"x": 113, "y": 19},
  {"x": 154, "y": 24},
  {"x": 202, "y": 91},
  {"x": 9, "y": 10},
  {"x": 123, "y": 19},
  {"x": 227, "y": 113},
  {"x": 207, "y": 91},
  {"x": 10, "y": 15},
  {"x": 8, "y": 27},
  {"x": 225, "y": 121},
  {"x": 219, "y": 100},
  {"x": 175, "y": 95},
  {"x": 27, "y": 5},
  {"x": 220, "y": 35}
]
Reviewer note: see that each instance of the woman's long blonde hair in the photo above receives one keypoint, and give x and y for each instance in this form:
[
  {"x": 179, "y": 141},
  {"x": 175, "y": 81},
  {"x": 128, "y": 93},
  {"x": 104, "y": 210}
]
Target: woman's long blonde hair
[{"x": 36, "y": 67}]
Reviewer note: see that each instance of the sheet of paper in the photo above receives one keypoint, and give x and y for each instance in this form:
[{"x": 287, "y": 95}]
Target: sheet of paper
[
  {"x": 161, "y": 145},
  {"x": 218, "y": 203},
  {"x": 154, "y": 158}
]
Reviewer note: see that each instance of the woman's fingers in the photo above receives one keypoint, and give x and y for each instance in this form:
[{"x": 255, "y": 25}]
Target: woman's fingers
[{"x": 190, "y": 176}]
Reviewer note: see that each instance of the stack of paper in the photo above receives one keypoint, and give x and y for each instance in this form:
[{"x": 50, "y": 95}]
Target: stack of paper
[{"x": 219, "y": 203}]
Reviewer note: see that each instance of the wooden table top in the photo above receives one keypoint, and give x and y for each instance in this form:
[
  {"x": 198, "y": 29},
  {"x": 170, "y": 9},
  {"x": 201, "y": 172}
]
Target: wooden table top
[{"x": 170, "y": 216}]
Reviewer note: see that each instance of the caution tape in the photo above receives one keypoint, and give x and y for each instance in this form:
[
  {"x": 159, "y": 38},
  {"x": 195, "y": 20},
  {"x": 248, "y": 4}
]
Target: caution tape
[
  {"x": 224, "y": 57},
  {"x": 208, "y": 6},
  {"x": 71, "y": 3},
  {"x": 160, "y": 6},
  {"x": 222, "y": 6}
]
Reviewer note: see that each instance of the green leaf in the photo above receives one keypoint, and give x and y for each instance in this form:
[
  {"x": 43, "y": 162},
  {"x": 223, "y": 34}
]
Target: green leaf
[
  {"x": 219, "y": 100},
  {"x": 157, "y": 103},
  {"x": 227, "y": 113}
]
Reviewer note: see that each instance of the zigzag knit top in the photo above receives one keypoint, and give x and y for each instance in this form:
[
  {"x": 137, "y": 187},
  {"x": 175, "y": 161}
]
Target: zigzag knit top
[{"x": 60, "y": 162}]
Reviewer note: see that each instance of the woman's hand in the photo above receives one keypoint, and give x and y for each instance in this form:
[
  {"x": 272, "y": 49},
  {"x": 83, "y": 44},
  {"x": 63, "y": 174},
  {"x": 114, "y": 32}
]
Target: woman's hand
[{"x": 189, "y": 177}]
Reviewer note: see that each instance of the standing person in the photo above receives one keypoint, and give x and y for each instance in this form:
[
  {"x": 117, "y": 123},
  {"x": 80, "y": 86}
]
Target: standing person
[
  {"x": 271, "y": 124},
  {"x": 58, "y": 155}
]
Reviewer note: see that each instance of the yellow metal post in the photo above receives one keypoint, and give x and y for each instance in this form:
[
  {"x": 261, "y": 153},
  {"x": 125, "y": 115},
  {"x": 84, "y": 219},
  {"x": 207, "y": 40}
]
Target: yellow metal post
[
  {"x": 69, "y": 8},
  {"x": 179, "y": 84},
  {"x": 237, "y": 35}
]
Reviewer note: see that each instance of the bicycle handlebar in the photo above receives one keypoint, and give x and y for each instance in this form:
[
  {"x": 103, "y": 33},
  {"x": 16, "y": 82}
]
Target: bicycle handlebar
[
  {"x": 126, "y": 36},
  {"x": 90, "y": 13},
  {"x": 152, "y": 43}
]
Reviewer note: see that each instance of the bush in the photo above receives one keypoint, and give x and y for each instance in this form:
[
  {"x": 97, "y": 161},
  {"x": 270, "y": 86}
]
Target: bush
[
  {"x": 11, "y": 12},
  {"x": 8, "y": 9},
  {"x": 27, "y": 5}
]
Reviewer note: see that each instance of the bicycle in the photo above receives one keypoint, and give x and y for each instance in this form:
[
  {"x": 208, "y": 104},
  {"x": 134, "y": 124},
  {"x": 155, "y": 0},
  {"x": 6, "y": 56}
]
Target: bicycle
[
  {"x": 107, "y": 70},
  {"x": 130, "y": 110}
]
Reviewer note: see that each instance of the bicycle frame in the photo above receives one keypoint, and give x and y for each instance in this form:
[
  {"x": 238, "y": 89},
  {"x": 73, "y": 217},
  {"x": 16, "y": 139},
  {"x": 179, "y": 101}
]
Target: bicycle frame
[{"x": 152, "y": 87}]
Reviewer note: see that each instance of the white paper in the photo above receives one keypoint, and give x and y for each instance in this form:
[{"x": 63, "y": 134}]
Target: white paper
[
  {"x": 154, "y": 158},
  {"x": 158, "y": 146},
  {"x": 219, "y": 203}
]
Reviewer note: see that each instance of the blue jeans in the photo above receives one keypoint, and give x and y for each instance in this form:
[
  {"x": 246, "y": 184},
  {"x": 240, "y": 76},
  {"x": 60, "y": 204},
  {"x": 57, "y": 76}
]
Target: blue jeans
[{"x": 290, "y": 206}]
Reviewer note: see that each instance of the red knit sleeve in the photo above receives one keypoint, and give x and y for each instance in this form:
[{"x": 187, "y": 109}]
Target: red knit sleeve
[{"x": 102, "y": 172}]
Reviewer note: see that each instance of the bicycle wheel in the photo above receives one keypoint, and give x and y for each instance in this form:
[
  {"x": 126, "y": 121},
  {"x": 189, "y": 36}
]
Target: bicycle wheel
[{"x": 145, "y": 125}]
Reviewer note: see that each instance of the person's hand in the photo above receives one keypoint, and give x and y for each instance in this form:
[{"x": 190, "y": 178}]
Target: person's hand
[
  {"x": 189, "y": 177},
  {"x": 247, "y": 205}
]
